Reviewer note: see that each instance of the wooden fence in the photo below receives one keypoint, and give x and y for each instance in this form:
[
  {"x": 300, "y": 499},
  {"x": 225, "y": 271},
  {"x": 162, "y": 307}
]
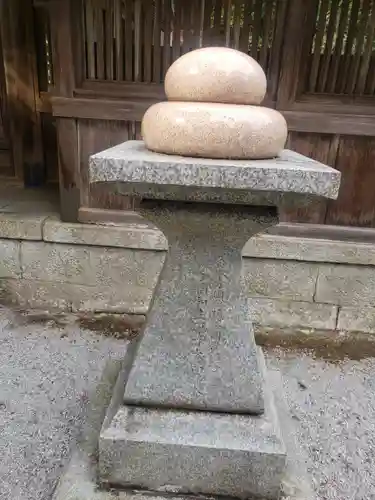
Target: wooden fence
[{"x": 101, "y": 63}]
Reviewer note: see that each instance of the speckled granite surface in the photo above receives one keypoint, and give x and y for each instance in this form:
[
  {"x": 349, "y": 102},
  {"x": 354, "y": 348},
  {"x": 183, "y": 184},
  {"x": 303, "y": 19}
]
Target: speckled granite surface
[
  {"x": 131, "y": 162},
  {"x": 198, "y": 350}
]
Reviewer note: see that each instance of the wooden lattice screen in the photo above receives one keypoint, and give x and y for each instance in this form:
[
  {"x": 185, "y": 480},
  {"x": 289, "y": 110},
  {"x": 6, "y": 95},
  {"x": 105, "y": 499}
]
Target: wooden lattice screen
[
  {"x": 105, "y": 62},
  {"x": 137, "y": 40},
  {"x": 343, "y": 48}
]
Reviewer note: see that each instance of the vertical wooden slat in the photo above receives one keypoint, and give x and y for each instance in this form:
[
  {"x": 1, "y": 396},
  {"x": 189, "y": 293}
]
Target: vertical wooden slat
[
  {"x": 185, "y": 23},
  {"x": 294, "y": 50},
  {"x": 197, "y": 23},
  {"x": 78, "y": 41},
  {"x": 156, "y": 42},
  {"x": 337, "y": 56},
  {"x": 90, "y": 40},
  {"x": 137, "y": 39},
  {"x": 320, "y": 32},
  {"x": 109, "y": 39},
  {"x": 217, "y": 14},
  {"x": 245, "y": 31},
  {"x": 237, "y": 14},
  {"x": 201, "y": 22},
  {"x": 273, "y": 70},
  {"x": 148, "y": 16},
  {"x": 176, "y": 42},
  {"x": 138, "y": 131},
  {"x": 228, "y": 7},
  {"x": 256, "y": 28},
  {"x": 4, "y": 105},
  {"x": 99, "y": 32},
  {"x": 325, "y": 62},
  {"x": 344, "y": 70},
  {"x": 371, "y": 77},
  {"x": 119, "y": 42},
  {"x": 366, "y": 56},
  {"x": 128, "y": 14},
  {"x": 208, "y": 6},
  {"x": 41, "y": 24},
  {"x": 266, "y": 34},
  {"x": 362, "y": 28},
  {"x": 167, "y": 36}
]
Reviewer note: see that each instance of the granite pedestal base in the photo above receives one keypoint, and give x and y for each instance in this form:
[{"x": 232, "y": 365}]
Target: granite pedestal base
[
  {"x": 194, "y": 451},
  {"x": 194, "y": 414},
  {"x": 198, "y": 349}
]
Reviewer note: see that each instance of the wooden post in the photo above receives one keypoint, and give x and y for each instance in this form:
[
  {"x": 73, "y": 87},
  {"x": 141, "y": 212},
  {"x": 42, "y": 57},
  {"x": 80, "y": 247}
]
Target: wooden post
[
  {"x": 67, "y": 136},
  {"x": 300, "y": 20},
  {"x": 21, "y": 90}
]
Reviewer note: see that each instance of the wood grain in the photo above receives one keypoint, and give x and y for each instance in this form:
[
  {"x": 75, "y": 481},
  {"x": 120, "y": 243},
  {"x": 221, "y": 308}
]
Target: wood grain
[
  {"x": 320, "y": 148},
  {"x": 95, "y": 136},
  {"x": 20, "y": 89},
  {"x": 62, "y": 36},
  {"x": 356, "y": 203}
]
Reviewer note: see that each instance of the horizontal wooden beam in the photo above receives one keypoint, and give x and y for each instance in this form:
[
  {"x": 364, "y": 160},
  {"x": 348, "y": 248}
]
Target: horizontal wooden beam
[
  {"x": 99, "y": 109},
  {"x": 330, "y": 123},
  {"x": 337, "y": 104},
  {"x": 127, "y": 90},
  {"x": 129, "y": 110}
]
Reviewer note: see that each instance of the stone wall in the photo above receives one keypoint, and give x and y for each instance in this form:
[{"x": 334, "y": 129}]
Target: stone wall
[
  {"x": 314, "y": 283},
  {"x": 45, "y": 263},
  {"x": 291, "y": 281}
]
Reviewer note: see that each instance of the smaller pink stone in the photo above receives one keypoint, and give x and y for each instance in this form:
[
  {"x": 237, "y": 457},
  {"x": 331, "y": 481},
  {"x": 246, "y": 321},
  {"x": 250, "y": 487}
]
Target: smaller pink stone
[{"x": 216, "y": 74}]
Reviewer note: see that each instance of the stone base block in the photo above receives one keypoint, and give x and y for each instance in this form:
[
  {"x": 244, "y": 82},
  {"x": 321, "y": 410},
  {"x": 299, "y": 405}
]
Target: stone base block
[{"x": 194, "y": 452}]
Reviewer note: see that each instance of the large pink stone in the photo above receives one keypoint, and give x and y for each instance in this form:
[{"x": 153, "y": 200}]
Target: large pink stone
[
  {"x": 216, "y": 74},
  {"x": 212, "y": 130}
]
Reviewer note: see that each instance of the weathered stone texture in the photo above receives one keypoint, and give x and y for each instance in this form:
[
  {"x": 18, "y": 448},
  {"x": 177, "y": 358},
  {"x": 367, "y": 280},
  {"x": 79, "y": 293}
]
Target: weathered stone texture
[
  {"x": 90, "y": 266},
  {"x": 346, "y": 285},
  {"x": 361, "y": 319},
  {"x": 21, "y": 226},
  {"x": 78, "y": 298},
  {"x": 273, "y": 246},
  {"x": 139, "y": 235},
  {"x": 280, "y": 279},
  {"x": 290, "y": 313},
  {"x": 10, "y": 266}
]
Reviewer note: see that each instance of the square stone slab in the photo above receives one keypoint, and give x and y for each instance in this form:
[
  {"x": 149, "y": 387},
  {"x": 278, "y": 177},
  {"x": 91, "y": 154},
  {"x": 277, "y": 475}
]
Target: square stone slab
[
  {"x": 194, "y": 451},
  {"x": 130, "y": 162}
]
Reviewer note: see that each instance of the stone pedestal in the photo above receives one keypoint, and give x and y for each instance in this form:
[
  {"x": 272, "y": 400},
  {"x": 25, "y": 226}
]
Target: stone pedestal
[{"x": 195, "y": 413}]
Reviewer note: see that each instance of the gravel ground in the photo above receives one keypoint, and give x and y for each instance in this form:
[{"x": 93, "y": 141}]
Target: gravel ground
[
  {"x": 47, "y": 372},
  {"x": 333, "y": 405},
  {"x": 49, "y": 368}
]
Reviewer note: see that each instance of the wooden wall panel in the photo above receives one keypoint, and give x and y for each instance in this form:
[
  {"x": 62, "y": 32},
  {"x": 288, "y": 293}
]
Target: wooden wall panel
[
  {"x": 95, "y": 136},
  {"x": 20, "y": 90},
  {"x": 322, "y": 148},
  {"x": 102, "y": 89},
  {"x": 356, "y": 203},
  {"x": 50, "y": 147}
]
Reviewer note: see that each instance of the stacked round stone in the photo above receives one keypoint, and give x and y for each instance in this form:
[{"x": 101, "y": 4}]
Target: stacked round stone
[{"x": 213, "y": 109}]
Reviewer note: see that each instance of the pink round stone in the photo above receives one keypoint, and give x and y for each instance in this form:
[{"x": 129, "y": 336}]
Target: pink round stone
[
  {"x": 212, "y": 130},
  {"x": 216, "y": 74}
]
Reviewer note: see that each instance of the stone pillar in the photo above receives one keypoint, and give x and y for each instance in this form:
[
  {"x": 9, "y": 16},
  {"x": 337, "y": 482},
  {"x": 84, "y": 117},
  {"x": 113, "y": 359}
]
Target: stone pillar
[
  {"x": 193, "y": 412},
  {"x": 198, "y": 350}
]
